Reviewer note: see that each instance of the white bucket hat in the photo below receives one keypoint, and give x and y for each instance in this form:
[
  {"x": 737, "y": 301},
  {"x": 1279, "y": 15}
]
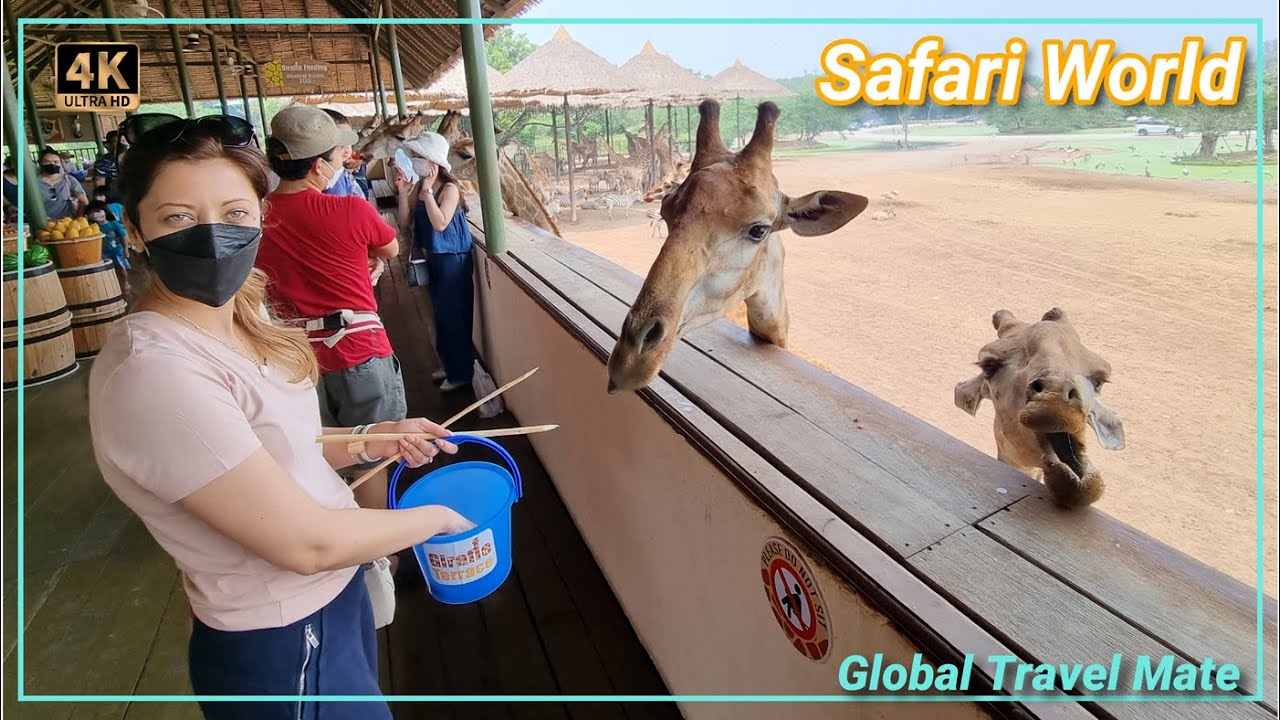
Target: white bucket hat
[{"x": 430, "y": 146}]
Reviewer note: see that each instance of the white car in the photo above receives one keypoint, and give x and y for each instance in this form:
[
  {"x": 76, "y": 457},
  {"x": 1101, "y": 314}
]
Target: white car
[{"x": 1155, "y": 127}]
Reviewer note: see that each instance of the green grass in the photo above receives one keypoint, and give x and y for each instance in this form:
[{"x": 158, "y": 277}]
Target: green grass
[{"x": 1156, "y": 154}]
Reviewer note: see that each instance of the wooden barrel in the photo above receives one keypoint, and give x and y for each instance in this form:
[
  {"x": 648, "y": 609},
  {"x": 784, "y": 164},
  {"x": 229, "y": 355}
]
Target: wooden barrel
[
  {"x": 89, "y": 329},
  {"x": 90, "y": 288},
  {"x": 77, "y": 251},
  {"x": 42, "y": 296},
  {"x": 48, "y": 352}
]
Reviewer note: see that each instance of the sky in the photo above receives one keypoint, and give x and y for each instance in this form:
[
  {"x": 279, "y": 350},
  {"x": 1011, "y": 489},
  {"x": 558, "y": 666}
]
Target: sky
[{"x": 789, "y": 51}]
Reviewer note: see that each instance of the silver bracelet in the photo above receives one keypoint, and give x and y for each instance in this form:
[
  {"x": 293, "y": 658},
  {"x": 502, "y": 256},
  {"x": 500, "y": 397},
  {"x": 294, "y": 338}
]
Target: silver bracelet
[{"x": 363, "y": 456}]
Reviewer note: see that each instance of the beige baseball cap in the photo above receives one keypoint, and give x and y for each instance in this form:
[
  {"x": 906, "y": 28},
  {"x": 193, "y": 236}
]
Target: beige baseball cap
[{"x": 307, "y": 132}]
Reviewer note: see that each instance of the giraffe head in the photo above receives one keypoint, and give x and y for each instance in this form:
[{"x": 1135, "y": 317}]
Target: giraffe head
[
  {"x": 723, "y": 248},
  {"x": 391, "y": 134},
  {"x": 668, "y": 183},
  {"x": 1044, "y": 384}
]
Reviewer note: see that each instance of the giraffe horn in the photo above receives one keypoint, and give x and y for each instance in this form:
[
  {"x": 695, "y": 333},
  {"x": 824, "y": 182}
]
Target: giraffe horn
[{"x": 710, "y": 148}]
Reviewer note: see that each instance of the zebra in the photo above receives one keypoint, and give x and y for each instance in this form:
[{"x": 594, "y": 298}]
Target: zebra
[
  {"x": 656, "y": 223},
  {"x": 618, "y": 200}
]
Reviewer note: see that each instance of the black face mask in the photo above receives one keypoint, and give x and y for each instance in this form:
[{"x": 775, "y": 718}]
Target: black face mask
[
  {"x": 205, "y": 263},
  {"x": 51, "y": 169}
]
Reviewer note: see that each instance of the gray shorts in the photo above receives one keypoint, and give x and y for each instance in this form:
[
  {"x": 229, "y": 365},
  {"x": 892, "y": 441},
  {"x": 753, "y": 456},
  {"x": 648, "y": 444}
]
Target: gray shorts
[{"x": 370, "y": 392}]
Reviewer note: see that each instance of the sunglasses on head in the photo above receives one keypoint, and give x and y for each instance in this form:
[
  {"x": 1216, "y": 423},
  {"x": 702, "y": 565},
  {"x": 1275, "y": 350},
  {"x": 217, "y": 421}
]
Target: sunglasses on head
[{"x": 162, "y": 128}]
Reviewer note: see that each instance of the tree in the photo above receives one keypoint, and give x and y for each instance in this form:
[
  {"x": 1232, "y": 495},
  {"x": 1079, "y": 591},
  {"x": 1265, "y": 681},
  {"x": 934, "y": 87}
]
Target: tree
[
  {"x": 1215, "y": 121},
  {"x": 507, "y": 48},
  {"x": 807, "y": 115}
]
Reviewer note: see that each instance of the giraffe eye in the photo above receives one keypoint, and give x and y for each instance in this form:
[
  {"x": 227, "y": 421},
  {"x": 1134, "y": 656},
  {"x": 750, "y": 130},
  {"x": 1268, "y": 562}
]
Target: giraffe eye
[{"x": 760, "y": 231}]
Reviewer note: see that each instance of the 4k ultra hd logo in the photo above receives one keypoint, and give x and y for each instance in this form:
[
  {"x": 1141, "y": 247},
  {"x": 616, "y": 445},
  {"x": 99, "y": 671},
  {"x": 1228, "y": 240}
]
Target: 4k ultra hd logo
[{"x": 97, "y": 76}]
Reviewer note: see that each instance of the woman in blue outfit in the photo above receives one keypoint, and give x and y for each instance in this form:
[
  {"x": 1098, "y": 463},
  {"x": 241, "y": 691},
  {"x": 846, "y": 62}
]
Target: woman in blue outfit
[{"x": 436, "y": 212}]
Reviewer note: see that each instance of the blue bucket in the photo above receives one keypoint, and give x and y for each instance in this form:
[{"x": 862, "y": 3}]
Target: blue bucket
[{"x": 465, "y": 567}]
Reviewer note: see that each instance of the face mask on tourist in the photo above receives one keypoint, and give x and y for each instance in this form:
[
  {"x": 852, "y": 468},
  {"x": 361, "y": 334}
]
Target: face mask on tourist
[
  {"x": 50, "y": 168},
  {"x": 332, "y": 180},
  {"x": 205, "y": 263}
]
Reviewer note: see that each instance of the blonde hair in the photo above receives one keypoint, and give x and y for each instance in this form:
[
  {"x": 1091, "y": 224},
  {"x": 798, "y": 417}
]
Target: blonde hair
[{"x": 267, "y": 336}]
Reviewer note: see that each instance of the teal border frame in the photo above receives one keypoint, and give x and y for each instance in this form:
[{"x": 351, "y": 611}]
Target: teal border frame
[{"x": 1258, "y": 360}]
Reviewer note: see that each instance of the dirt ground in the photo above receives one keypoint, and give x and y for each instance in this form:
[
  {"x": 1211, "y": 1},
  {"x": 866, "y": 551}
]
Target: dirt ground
[{"x": 1157, "y": 275}]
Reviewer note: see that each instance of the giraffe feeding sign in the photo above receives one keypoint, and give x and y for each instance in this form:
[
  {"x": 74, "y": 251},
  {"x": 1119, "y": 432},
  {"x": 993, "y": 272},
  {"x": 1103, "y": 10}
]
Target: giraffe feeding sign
[{"x": 1075, "y": 69}]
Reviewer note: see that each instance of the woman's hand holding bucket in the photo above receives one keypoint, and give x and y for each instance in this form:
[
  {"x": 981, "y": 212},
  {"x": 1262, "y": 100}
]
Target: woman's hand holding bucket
[{"x": 415, "y": 451}]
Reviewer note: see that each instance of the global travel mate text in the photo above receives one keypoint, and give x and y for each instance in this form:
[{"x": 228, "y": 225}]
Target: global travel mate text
[{"x": 1168, "y": 673}]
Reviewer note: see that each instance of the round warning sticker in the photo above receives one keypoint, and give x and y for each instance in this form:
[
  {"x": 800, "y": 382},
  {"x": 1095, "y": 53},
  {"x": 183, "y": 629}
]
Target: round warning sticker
[{"x": 792, "y": 590}]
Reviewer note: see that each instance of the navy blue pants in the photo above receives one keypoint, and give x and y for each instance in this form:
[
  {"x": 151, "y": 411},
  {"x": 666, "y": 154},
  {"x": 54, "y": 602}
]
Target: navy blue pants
[
  {"x": 334, "y": 651},
  {"x": 452, "y": 292}
]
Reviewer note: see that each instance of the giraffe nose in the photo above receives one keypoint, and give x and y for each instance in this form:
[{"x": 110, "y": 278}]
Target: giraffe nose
[
  {"x": 1053, "y": 383},
  {"x": 648, "y": 335}
]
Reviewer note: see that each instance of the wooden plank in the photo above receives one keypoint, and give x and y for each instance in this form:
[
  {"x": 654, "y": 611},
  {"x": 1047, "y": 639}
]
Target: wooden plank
[
  {"x": 1053, "y": 623},
  {"x": 165, "y": 672},
  {"x": 630, "y": 669},
  {"x": 1188, "y": 605},
  {"x": 37, "y": 587},
  {"x": 921, "y": 613},
  {"x": 574, "y": 660},
  {"x": 138, "y": 583},
  {"x": 417, "y": 658},
  {"x": 516, "y": 651},
  {"x": 962, "y": 479},
  {"x": 468, "y": 661},
  {"x": 55, "y": 522},
  {"x": 896, "y": 515}
]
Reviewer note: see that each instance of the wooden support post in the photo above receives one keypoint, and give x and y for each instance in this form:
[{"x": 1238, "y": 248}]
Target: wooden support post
[
  {"x": 650, "y": 173},
  {"x": 217, "y": 63},
  {"x": 179, "y": 61},
  {"x": 33, "y": 211},
  {"x": 113, "y": 31},
  {"x": 28, "y": 96},
  {"x": 568, "y": 151},
  {"x": 482, "y": 132},
  {"x": 378, "y": 110},
  {"x": 95, "y": 124},
  {"x": 262, "y": 106},
  {"x": 396, "y": 75},
  {"x": 555, "y": 143}
]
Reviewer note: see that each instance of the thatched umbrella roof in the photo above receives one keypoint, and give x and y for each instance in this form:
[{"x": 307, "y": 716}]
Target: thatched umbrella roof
[
  {"x": 657, "y": 77},
  {"x": 563, "y": 66},
  {"x": 453, "y": 84},
  {"x": 738, "y": 80}
]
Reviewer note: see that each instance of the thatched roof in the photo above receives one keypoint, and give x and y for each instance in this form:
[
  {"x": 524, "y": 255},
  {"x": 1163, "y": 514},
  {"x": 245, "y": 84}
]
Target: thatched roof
[
  {"x": 453, "y": 84},
  {"x": 657, "y": 77},
  {"x": 425, "y": 50},
  {"x": 563, "y": 66},
  {"x": 738, "y": 80}
]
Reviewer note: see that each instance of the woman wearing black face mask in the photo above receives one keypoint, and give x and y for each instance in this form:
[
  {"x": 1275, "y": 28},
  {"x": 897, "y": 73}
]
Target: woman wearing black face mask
[
  {"x": 63, "y": 195},
  {"x": 203, "y": 417}
]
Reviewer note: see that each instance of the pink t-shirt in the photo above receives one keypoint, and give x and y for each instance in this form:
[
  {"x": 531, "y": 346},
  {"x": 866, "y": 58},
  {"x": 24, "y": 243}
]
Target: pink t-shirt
[{"x": 170, "y": 410}]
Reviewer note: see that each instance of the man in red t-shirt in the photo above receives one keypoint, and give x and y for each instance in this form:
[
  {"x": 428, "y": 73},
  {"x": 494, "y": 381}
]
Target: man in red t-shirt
[{"x": 317, "y": 251}]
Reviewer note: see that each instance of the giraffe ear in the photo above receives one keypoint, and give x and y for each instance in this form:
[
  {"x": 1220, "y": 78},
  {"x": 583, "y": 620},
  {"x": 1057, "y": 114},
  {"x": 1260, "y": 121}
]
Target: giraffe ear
[{"x": 822, "y": 212}]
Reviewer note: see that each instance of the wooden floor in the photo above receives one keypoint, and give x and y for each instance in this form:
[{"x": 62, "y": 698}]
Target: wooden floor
[{"x": 105, "y": 612}]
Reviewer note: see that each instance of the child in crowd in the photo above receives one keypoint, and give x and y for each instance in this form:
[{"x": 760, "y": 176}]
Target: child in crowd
[{"x": 114, "y": 240}]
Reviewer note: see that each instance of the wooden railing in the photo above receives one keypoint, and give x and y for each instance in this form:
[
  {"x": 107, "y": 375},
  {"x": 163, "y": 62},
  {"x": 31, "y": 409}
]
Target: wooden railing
[{"x": 961, "y": 552}]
